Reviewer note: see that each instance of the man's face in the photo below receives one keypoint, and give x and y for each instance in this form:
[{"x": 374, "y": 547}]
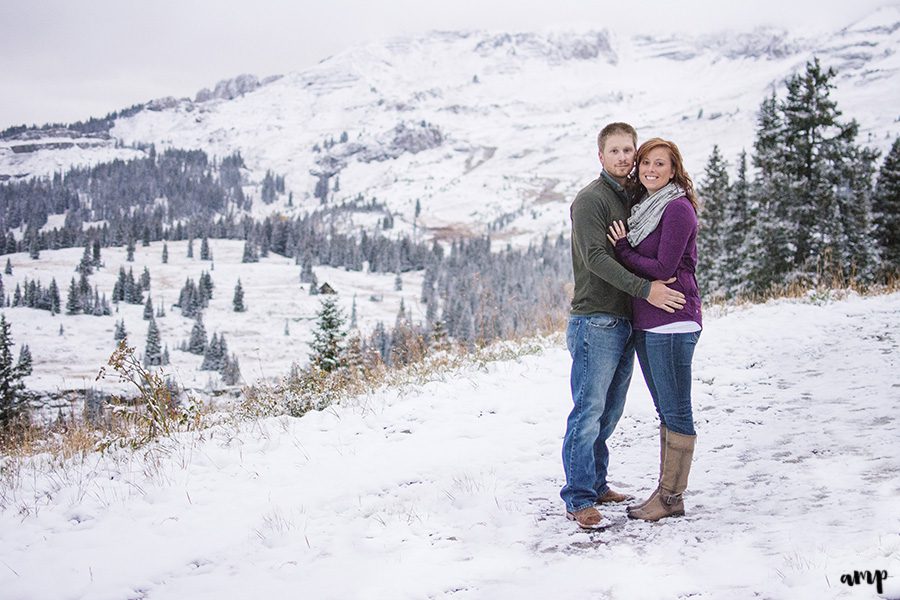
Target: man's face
[{"x": 617, "y": 155}]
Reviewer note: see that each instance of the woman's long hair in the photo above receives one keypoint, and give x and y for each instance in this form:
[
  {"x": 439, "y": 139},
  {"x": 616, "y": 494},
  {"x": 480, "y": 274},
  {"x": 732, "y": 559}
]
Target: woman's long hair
[{"x": 637, "y": 189}]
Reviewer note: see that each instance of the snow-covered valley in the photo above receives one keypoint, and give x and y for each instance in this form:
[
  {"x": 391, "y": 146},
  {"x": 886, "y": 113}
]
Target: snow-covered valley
[{"x": 271, "y": 335}]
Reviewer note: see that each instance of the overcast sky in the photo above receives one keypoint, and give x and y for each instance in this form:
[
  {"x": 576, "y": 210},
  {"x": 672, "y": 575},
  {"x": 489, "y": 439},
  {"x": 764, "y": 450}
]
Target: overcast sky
[{"x": 65, "y": 60}]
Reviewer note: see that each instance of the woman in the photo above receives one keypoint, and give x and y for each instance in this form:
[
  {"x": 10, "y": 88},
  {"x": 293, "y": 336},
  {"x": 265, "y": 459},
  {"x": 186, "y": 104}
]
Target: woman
[{"x": 661, "y": 243}]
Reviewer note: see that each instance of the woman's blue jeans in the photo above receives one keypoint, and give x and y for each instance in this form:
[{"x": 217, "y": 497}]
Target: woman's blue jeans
[
  {"x": 666, "y": 363},
  {"x": 602, "y": 362}
]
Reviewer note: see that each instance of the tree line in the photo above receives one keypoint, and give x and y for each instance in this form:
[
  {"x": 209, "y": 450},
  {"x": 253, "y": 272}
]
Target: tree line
[{"x": 811, "y": 212}]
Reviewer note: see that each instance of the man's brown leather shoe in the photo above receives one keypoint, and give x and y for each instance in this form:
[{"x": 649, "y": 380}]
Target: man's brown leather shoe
[
  {"x": 587, "y": 518},
  {"x": 613, "y": 497}
]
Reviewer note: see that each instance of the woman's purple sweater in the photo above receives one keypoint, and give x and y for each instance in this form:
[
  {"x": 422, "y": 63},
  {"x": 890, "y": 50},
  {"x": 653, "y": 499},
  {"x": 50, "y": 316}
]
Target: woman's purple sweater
[{"x": 669, "y": 251}]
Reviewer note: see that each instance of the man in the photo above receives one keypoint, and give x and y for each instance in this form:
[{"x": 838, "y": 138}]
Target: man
[{"x": 599, "y": 331}]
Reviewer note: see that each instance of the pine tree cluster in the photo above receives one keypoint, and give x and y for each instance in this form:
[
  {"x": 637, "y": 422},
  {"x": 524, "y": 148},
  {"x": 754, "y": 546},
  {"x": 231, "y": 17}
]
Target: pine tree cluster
[
  {"x": 807, "y": 216},
  {"x": 13, "y": 401},
  {"x": 81, "y": 299},
  {"x": 194, "y": 297},
  {"x": 36, "y": 296},
  {"x": 215, "y": 354},
  {"x": 272, "y": 185},
  {"x": 127, "y": 289},
  {"x": 472, "y": 295}
]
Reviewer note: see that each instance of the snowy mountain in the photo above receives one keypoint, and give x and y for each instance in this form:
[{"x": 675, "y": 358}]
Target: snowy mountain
[
  {"x": 448, "y": 489},
  {"x": 487, "y": 128}
]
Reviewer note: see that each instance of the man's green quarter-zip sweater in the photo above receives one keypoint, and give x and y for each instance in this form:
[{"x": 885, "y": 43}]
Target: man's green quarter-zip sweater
[{"x": 602, "y": 285}]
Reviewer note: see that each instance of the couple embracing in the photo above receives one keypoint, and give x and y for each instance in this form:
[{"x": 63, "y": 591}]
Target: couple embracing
[{"x": 634, "y": 255}]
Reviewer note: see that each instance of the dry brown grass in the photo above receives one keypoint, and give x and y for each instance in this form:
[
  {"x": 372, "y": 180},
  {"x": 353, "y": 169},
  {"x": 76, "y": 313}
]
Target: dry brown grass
[
  {"x": 826, "y": 286},
  {"x": 307, "y": 390}
]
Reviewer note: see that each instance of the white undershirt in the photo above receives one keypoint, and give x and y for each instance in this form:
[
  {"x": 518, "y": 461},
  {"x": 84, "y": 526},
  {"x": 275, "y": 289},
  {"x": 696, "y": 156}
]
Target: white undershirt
[{"x": 677, "y": 327}]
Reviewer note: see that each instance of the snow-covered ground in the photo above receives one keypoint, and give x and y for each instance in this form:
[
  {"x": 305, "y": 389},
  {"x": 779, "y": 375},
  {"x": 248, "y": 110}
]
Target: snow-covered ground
[{"x": 449, "y": 489}]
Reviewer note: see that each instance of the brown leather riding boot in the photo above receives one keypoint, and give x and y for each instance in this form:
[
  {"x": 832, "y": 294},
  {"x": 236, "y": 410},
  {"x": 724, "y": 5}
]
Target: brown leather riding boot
[
  {"x": 662, "y": 449},
  {"x": 676, "y": 466}
]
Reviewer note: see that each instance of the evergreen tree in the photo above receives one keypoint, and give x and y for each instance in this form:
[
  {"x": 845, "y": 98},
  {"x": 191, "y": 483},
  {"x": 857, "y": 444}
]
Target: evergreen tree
[
  {"x": 886, "y": 210},
  {"x": 204, "y": 249},
  {"x": 205, "y": 288},
  {"x": 197, "y": 344},
  {"x": 190, "y": 248},
  {"x": 237, "y": 301},
  {"x": 328, "y": 336},
  {"x": 153, "y": 350},
  {"x": 145, "y": 279},
  {"x": 739, "y": 218},
  {"x": 222, "y": 355},
  {"x": 120, "y": 333},
  {"x": 86, "y": 266},
  {"x": 12, "y": 400},
  {"x": 828, "y": 201},
  {"x": 165, "y": 253},
  {"x": 96, "y": 304},
  {"x": 148, "y": 309},
  {"x": 211, "y": 355},
  {"x": 130, "y": 250},
  {"x": 84, "y": 286},
  {"x": 231, "y": 373},
  {"x": 768, "y": 247},
  {"x": 105, "y": 305},
  {"x": 398, "y": 282},
  {"x": 73, "y": 306},
  {"x": 53, "y": 294},
  {"x": 118, "y": 293},
  {"x": 34, "y": 248},
  {"x": 8, "y": 268},
  {"x": 250, "y": 255},
  {"x": 95, "y": 253},
  {"x": 25, "y": 360},
  {"x": 17, "y": 295},
  {"x": 714, "y": 191},
  {"x": 128, "y": 291}
]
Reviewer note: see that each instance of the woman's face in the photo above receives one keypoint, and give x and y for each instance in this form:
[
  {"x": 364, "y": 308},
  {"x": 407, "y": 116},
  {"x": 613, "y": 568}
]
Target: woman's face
[{"x": 655, "y": 169}]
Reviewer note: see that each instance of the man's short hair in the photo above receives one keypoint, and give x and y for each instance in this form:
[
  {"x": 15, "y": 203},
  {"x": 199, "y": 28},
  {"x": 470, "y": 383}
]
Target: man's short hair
[{"x": 614, "y": 129}]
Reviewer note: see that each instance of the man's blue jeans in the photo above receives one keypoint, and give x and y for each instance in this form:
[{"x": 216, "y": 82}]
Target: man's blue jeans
[
  {"x": 666, "y": 362},
  {"x": 602, "y": 362}
]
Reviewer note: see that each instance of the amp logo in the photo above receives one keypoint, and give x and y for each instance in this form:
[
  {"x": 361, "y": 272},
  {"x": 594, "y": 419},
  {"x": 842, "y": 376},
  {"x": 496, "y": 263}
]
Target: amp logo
[{"x": 870, "y": 577}]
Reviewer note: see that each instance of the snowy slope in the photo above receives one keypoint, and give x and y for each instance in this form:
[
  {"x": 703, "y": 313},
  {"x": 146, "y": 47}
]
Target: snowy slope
[
  {"x": 449, "y": 489},
  {"x": 273, "y": 333},
  {"x": 516, "y": 115}
]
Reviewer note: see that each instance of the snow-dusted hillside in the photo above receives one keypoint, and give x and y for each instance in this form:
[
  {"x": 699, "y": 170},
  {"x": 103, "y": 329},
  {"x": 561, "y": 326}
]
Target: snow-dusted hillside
[
  {"x": 449, "y": 489},
  {"x": 273, "y": 333},
  {"x": 495, "y": 127}
]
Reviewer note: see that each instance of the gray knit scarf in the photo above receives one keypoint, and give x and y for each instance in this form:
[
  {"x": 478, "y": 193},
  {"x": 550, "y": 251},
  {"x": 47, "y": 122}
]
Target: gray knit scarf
[{"x": 646, "y": 214}]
